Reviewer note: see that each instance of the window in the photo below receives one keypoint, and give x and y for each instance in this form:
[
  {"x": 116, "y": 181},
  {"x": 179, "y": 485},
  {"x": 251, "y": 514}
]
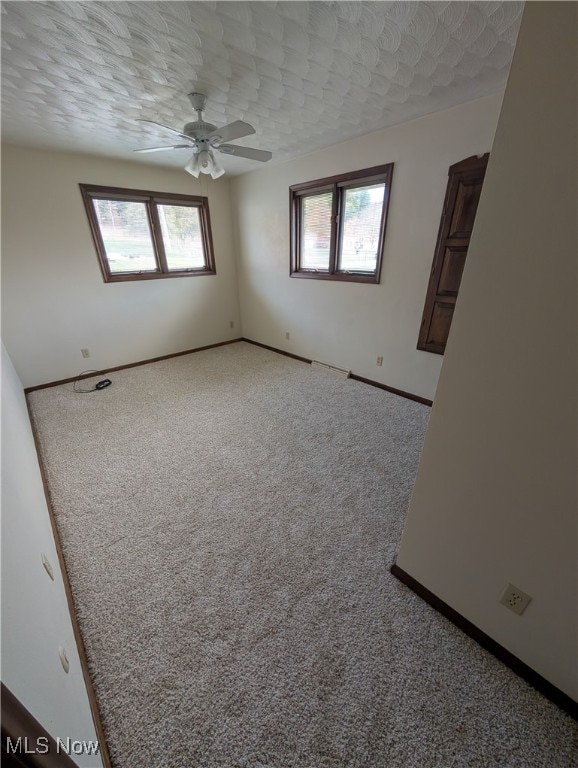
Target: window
[
  {"x": 146, "y": 235},
  {"x": 338, "y": 225}
]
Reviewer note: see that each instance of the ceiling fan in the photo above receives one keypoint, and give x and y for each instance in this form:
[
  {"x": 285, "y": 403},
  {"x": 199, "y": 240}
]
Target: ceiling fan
[{"x": 203, "y": 138}]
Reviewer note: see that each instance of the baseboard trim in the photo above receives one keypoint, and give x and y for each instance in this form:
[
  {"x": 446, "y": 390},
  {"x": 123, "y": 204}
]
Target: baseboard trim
[
  {"x": 379, "y": 385},
  {"x": 128, "y": 365},
  {"x": 393, "y": 390},
  {"x": 532, "y": 677},
  {"x": 94, "y": 708},
  {"x": 279, "y": 351},
  {"x": 92, "y": 374}
]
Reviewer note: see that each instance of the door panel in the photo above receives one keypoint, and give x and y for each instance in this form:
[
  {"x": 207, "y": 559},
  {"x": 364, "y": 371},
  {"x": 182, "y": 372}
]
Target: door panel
[
  {"x": 459, "y": 212},
  {"x": 464, "y": 214},
  {"x": 453, "y": 264},
  {"x": 440, "y": 322}
]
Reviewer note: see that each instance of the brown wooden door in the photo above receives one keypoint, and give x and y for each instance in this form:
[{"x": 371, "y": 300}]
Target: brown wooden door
[{"x": 457, "y": 222}]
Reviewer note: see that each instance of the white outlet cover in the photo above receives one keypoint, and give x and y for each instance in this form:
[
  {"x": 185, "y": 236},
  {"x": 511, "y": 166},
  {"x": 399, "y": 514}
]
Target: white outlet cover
[
  {"x": 47, "y": 566},
  {"x": 64, "y": 659},
  {"x": 516, "y": 600}
]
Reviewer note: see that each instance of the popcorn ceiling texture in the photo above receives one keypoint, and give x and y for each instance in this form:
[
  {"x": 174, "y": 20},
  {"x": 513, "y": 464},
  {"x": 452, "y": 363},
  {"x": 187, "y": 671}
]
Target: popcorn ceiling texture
[
  {"x": 228, "y": 519},
  {"x": 305, "y": 74}
]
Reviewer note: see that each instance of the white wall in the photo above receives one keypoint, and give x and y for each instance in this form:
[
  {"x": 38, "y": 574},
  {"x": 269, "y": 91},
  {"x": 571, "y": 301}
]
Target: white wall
[
  {"x": 54, "y": 299},
  {"x": 35, "y": 618},
  {"x": 495, "y": 498},
  {"x": 350, "y": 324}
]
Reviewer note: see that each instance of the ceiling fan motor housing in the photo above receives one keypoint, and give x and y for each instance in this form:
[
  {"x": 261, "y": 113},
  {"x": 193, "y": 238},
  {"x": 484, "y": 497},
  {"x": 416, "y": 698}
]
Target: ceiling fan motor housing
[{"x": 199, "y": 129}]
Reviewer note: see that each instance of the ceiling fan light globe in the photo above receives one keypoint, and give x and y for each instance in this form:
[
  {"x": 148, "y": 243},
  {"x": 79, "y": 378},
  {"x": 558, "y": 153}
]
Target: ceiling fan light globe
[
  {"x": 205, "y": 159},
  {"x": 217, "y": 174},
  {"x": 217, "y": 170},
  {"x": 192, "y": 166}
]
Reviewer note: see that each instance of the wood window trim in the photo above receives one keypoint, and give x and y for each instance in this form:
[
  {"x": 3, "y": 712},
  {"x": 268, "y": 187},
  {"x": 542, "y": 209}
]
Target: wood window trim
[
  {"x": 91, "y": 192},
  {"x": 439, "y": 301},
  {"x": 353, "y": 179}
]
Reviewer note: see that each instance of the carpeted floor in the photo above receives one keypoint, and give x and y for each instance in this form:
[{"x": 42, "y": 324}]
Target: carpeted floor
[{"x": 228, "y": 519}]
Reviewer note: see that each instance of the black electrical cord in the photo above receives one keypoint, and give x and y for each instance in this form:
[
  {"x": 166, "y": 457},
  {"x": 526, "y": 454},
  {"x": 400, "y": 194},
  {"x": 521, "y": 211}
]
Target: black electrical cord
[{"x": 97, "y": 387}]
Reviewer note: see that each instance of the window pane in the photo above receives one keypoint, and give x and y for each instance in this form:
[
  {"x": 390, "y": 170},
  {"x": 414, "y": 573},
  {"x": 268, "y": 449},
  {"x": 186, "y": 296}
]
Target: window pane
[
  {"x": 316, "y": 231},
  {"x": 125, "y": 231},
  {"x": 181, "y": 228},
  {"x": 362, "y": 210}
]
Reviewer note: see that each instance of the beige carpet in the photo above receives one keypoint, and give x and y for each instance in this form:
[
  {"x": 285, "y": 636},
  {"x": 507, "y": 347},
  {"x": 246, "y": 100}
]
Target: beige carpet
[{"x": 229, "y": 519}]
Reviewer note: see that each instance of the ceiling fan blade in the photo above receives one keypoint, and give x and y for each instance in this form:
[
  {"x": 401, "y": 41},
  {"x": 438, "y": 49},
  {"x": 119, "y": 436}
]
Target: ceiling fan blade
[
  {"x": 166, "y": 127},
  {"x": 160, "y": 149},
  {"x": 235, "y": 130},
  {"x": 248, "y": 152}
]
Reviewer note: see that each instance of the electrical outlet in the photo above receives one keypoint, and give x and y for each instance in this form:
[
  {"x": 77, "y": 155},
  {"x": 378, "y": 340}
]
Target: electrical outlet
[
  {"x": 287, "y": 335},
  {"x": 516, "y": 600},
  {"x": 85, "y": 352},
  {"x": 379, "y": 361},
  {"x": 47, "y": 566},
  {"x": 231, "y": 324},
  {"x": 64, "y": 659}
]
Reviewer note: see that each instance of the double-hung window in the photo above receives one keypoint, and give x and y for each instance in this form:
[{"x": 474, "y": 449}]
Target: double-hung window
[
  {"x": 338, "y": 225},
  {"x": 146, "y": 235}
]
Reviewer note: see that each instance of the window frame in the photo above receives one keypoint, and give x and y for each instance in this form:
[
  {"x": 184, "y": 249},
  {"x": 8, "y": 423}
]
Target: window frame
[
  {"x": 91, "y": 192},
  {"x": 337, "y": 185}
]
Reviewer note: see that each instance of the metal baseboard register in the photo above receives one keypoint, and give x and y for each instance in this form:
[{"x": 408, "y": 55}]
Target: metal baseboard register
[{"x": 343, "y": 372}]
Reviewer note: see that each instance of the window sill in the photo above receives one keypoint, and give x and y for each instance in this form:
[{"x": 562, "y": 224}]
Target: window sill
[
  {"x": 122, "y": 277},
  {"x": 341, "y": 277}
]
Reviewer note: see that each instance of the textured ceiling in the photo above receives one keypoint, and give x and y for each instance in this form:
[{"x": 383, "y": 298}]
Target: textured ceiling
[{"x": 76, "y": 75}]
